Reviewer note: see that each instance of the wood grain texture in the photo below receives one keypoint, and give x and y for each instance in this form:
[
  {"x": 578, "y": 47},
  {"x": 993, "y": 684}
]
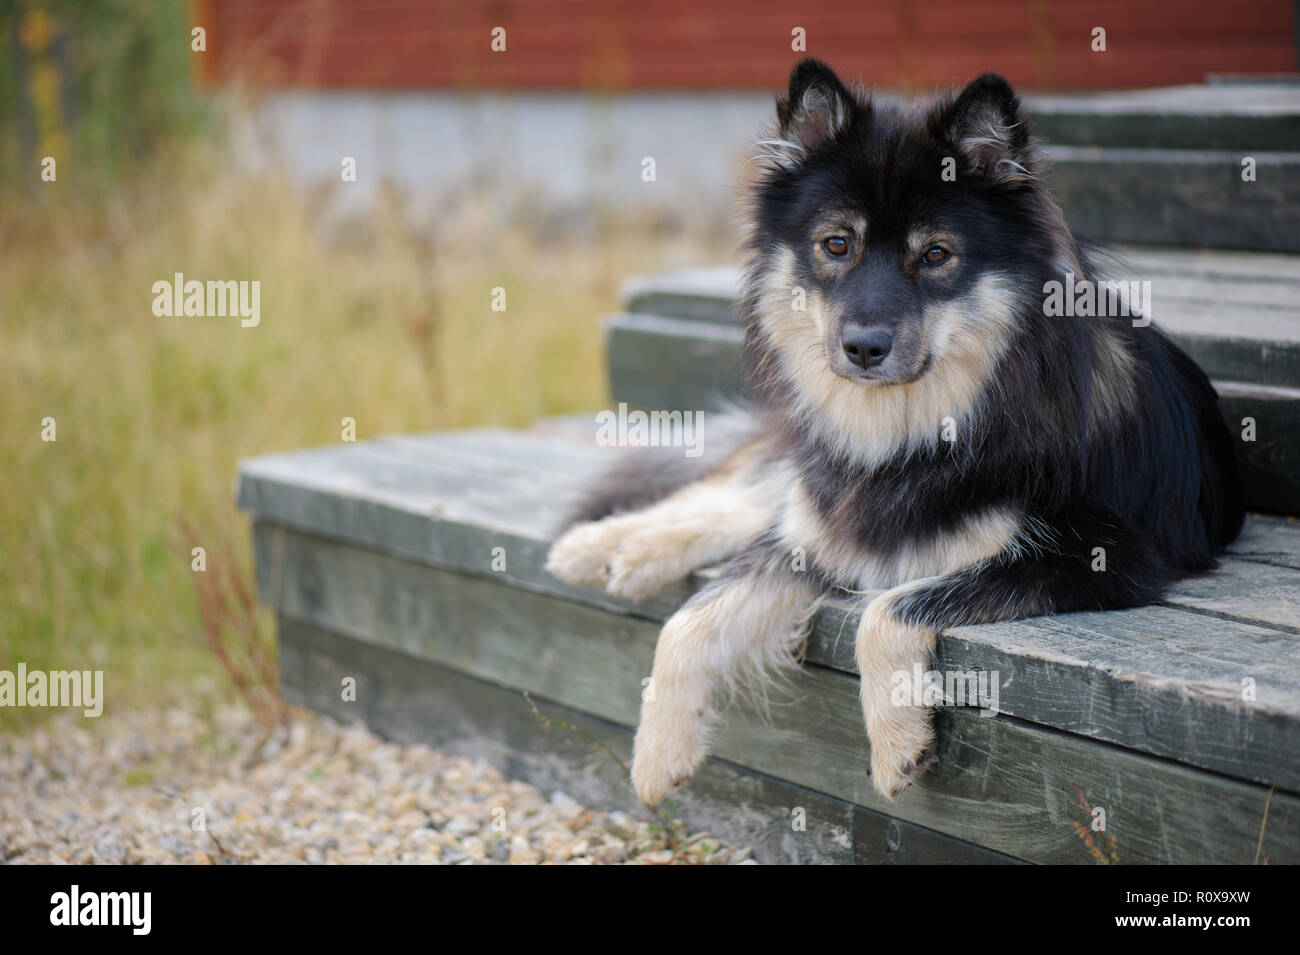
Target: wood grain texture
[
  {"x": 1001, "y": 783},
  {"x": 411, "y": 700},
  {"x": 1181, "y": 197},
  {"x": 1269, "y": 540},
  {"x": 1229, "y": 117},
  {"x": 1162, "y": 680},
  {"x": 683, "y": 365}
]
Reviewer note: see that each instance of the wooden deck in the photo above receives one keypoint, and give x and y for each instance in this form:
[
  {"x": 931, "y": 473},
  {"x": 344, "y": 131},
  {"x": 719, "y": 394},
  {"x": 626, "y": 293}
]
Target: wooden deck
[{"x": 389, "y": 546}]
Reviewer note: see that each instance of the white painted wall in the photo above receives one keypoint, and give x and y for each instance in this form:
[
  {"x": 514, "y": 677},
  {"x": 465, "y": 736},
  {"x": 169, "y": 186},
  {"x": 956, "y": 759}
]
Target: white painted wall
[{"x": 548, "y": 152}]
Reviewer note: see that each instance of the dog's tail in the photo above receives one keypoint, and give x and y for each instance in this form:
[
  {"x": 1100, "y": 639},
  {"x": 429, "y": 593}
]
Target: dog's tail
[{"x": 644, "y": 476}]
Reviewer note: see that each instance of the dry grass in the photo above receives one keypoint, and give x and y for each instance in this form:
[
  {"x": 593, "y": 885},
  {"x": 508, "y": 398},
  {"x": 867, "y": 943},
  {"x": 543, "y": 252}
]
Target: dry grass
[{"x": 379, "y": 322}]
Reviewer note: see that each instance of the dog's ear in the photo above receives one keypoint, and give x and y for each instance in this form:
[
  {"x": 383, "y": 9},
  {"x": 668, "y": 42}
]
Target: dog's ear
[
  {"x": 987, "y": 128},
  {"x": 817, "y": 108}
]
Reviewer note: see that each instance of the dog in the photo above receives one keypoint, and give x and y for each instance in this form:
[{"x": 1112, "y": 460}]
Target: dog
[{"x": 922, "y": 424}]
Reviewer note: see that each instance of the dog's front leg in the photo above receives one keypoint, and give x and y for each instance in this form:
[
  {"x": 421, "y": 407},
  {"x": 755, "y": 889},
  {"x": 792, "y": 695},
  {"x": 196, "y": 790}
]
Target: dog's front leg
[
  {"x": 637, "y": 554},
  {"x": 744, "y": 624},
  {"x": 1036, "y": 576},
  {"x": 901, "y": 733}
]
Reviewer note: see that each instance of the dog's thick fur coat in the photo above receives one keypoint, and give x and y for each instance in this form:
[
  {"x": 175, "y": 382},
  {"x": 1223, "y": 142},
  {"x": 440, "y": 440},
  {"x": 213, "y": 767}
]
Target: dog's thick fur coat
[{"x": 922, "y": 427}]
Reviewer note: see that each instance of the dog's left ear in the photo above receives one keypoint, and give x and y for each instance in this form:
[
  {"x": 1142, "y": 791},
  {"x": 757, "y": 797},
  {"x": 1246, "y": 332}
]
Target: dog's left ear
[{"x": 985, "y": 125}]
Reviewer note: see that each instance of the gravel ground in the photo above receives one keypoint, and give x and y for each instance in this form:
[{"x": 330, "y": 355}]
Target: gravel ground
[{"x": 125, "y": 789}]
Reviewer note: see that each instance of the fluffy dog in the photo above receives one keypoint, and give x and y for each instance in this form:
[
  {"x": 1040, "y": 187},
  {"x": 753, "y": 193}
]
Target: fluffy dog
[{"x": 923, "y": 425}]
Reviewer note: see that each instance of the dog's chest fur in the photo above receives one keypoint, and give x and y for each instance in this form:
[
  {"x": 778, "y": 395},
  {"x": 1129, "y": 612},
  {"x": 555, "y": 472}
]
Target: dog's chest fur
[{"x": 867, "y": 529}]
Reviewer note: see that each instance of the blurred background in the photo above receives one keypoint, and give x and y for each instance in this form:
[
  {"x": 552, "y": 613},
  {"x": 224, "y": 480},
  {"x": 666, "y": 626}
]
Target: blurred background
[{"x": 495, "y": 144}]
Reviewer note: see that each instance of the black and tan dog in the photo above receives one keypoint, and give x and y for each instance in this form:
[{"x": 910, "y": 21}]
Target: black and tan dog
[{"x": 924, "y": 426}]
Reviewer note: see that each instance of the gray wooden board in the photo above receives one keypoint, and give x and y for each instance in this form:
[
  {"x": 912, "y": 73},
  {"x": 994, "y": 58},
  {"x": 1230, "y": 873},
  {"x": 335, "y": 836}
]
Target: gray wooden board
[
  {"x": 1048, "y": 672},
  {"x": 1180, "y": 197},
  {"x": 707, "y": 294},
  {"x": 1212, "y": 265},
  {"x": 1269, "y": 540},
  {"x": 532, "y": 477},
  {"x": 684, "y": 365},
  {"x": 655, "y": 363},
  {"x": 464, "y": 530},
  {"x": 1245, "y": 359},
  {"x": 1156, "y": 679},
  {"x": 1250, "y": 117},
  {"x": 412, "y": 700},
  {"x": 1000, "y": 783}
]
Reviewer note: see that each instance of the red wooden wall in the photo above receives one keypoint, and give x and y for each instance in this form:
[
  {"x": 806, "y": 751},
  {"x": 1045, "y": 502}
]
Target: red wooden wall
[{"x": 737, "y": 44}]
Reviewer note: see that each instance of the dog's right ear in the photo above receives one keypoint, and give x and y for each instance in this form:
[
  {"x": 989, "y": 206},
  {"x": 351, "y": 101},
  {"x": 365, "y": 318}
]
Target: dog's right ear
[{"x": 817, "y": 109}]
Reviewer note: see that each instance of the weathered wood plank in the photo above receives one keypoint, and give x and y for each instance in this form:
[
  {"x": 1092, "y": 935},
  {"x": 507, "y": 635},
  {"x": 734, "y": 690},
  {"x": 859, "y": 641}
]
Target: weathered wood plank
[
  {"x": 654, "y": 363},
  {"x": 441, "y": 476},
  {"x": 415, "y": 701},
  {"x": 1181, "y": 197},
  {"x": 1269, "y": 540},
  {"x": 1092, "y": 675},
  {"x": 1274, "y": 363},
  {"x": 702, "y": 294},
  {"x": 1156, "y": 679},
  {"x": 680, "y": 364},
  {"x": 1001, "y": 783},
  {"x": 880, "y": 840},
  {"x": 1224, "y": 265},
  {"x": 1251, "y": 117},
  {"x": 1246, "y": 591}
]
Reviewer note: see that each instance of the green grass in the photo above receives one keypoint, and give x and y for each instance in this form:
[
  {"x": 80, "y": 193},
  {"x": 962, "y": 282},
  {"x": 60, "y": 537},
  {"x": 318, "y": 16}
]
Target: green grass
[
  {"x": 379, "y": 322},
  {"x": 376, "y": 320}
]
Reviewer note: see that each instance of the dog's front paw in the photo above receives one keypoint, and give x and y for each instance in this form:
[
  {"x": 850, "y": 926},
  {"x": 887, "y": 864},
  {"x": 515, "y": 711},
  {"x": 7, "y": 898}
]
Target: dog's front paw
[
  {"x": 902, "y": 748},
  {"x": 646, "y": 562},
  {"x": 621, "y": 557},
  {"x": 581, "y": 556},
  {"x": 663, "y": 760}
]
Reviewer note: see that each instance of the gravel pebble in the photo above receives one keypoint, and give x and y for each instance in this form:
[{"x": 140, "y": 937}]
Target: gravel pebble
[{"x": 164, "y": 787}]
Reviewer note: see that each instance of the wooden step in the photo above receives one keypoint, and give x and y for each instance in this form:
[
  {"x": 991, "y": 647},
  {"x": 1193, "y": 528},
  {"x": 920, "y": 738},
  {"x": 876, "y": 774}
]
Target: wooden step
[
  {"x": 678, "y": 345},
  {"x": 1238, "y": 117},
  {"x": 556, "y": 747},
  {"x": 1165, "y": 165},
  {"x": 1179, "y": 196},
  {"x": 383, "y": 561}
]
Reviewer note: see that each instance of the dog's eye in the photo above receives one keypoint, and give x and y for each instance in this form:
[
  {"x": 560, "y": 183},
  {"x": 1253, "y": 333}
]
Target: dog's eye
[
  {"x": 836, "y": 245},
  {"x": 934, "y": 255}
]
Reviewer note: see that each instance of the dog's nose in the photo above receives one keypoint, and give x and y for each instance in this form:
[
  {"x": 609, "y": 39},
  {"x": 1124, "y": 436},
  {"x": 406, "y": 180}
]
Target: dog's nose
[{"x": 867, "y": 347}]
